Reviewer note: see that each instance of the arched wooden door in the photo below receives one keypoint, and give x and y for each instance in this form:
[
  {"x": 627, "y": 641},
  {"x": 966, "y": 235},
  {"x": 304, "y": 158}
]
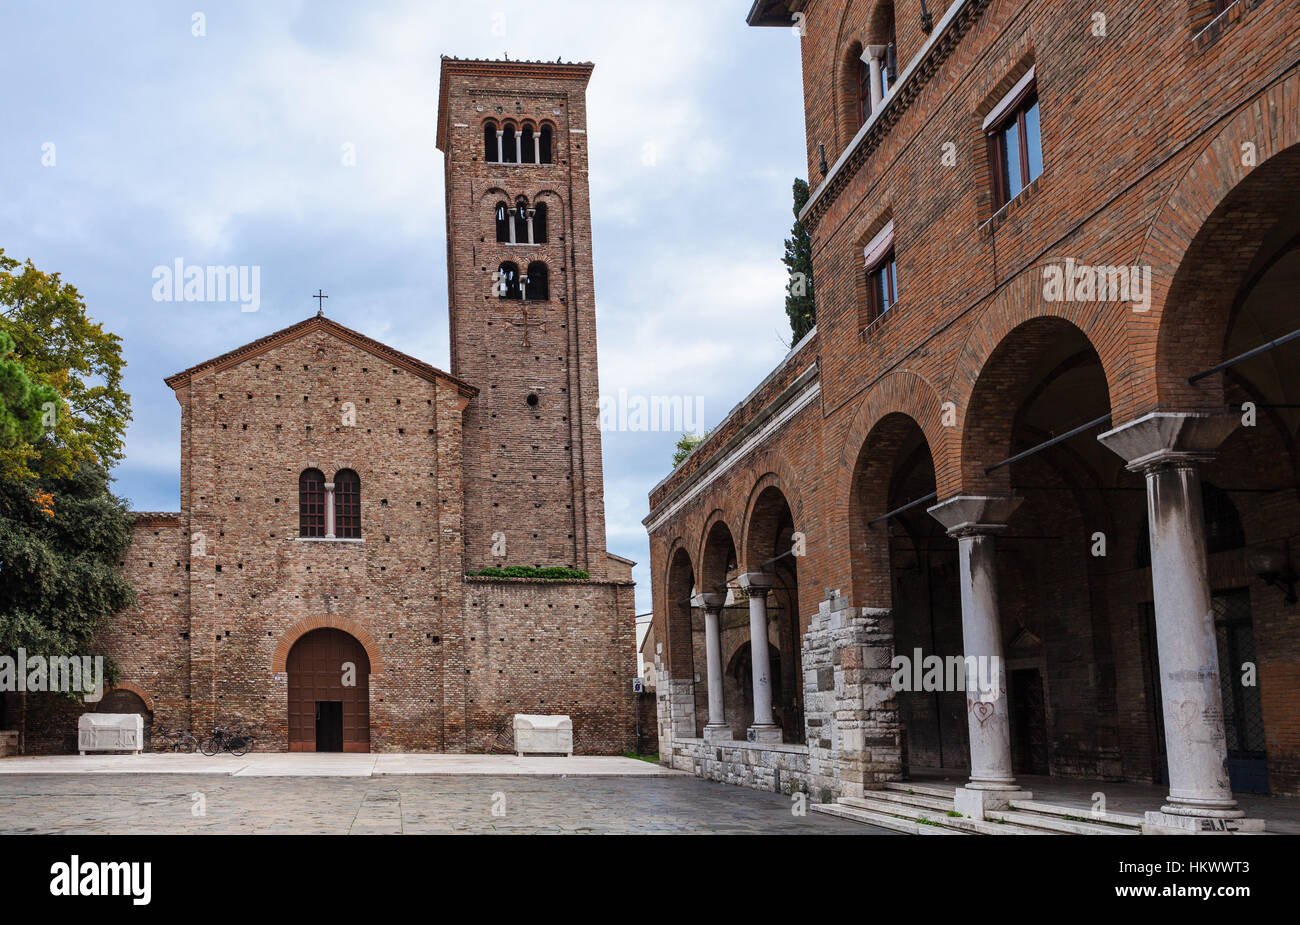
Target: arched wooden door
[{"x": 329, "y": 693}]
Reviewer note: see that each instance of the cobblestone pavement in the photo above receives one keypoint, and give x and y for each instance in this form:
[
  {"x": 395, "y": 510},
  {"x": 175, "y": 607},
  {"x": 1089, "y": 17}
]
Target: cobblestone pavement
[{"x": 169, "y": 803}]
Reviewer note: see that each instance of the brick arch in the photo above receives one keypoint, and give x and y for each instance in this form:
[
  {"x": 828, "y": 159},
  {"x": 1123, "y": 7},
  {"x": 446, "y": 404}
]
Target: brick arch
[
  {"x": 1105, "y": 325},
  {"x": 992, "y": 400},
  {"x": 773, "y": 477},
  {"x": 676, "y": 626},
  {"x": 1217, "y": 195},
  {"x": 136, "y": 689},
  {"x": 718, "y": 516},
  {"x": 303, "y": 627},
  {"x": 875, "y": 428}
]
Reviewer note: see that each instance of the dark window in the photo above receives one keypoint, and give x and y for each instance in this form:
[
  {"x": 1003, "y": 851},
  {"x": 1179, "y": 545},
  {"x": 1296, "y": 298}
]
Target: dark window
[
  {"x": 490, "y": 141},
  {"x": 347, "y": 505},
  {"x": 503, "y": 223},
  {"x": 311, "y": 503},
  {"x": 889, "y": 73},
  {"x": 536, "y": 285},
  {"x": 530, "y": 149},
  {"x": 546, "y": 144},
  {"x": 1015, "y": 148},
  {"x": 508, "y": 153},
  {"x": 507, "y": 280},
  {"x": 882, "y": 287},
  {"x": 864, "y": 91},
  {"x": 539, "y": 223}
]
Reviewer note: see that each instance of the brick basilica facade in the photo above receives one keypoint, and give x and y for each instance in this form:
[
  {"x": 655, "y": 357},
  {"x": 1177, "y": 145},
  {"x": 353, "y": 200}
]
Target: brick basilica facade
[
  {"x": 338, "y": 497},
  {"x": 1023, "y": 427}
]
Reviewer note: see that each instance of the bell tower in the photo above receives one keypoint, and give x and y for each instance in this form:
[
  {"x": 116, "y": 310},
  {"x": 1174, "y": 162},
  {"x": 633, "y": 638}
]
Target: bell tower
[{"x": 523, "y": 315}]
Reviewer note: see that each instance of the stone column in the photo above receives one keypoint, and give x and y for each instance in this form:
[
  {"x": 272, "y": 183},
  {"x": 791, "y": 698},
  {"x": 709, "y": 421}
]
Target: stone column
[
  {"x": 764, "y": 729},
  {"x": 873, "y": 55},
  {"x": 1168, "y": 449},
  {"x": 500, "y": 146},
  {"x": 531, "y": 213},
  {"x": 537, "y": 147},
  {"x": 510, "y": 217},
  {"x": 329, "y": 510},
  {"x": 711, "y": 603},
  {"x": 975, "y": 520},
  {"x": 519, "y": 147}
]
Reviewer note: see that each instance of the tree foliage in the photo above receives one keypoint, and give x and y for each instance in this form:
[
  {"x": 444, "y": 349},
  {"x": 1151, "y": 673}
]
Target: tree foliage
[
  {"x": 60, "y": 544},
  {"x": 66, "y": 359},
  {"x": 799, "y": 303},
  {"x": 685, "y": 444}
]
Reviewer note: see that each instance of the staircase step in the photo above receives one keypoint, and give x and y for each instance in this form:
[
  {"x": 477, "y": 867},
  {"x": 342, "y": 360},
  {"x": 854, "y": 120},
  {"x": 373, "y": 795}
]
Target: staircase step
[
  {"x": 883, "y": 820},
  {"x": 928, "y": 790},
  {"x": 1053, "y": 809},
  {"x": 1063, "y": 825},
  {"x": 938, "y": 817},
  {"x": 910, "y": 799}
]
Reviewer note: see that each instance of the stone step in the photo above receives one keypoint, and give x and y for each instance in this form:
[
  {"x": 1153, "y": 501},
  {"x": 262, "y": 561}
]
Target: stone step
[
  {"x": 938, "y": 817},
  {"x": 1115, "y": 819},
  {"x": 923, "y": 789},
  {"x": 883, "y": 820},
  {"x": 1062, "y": 825},
  {"x": 910, "y": 799}
]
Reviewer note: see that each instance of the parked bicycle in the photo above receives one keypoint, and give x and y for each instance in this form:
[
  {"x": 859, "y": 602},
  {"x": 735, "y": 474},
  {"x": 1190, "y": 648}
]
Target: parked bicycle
[
  {"x": 167, "y": 740},
  {"x": 236, "y": 743}
]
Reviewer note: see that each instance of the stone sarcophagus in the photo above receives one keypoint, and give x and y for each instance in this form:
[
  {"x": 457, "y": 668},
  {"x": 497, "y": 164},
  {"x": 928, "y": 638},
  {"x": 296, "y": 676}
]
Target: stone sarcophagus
[
  {"x": 110, "y": 732},
  {"x": 543, "y": 735}
]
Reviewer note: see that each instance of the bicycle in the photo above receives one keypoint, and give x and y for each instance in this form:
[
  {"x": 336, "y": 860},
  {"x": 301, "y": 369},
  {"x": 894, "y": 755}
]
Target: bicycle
[
  {"x": 167, "y": 740},
  {"x": 236, "y": 743}
]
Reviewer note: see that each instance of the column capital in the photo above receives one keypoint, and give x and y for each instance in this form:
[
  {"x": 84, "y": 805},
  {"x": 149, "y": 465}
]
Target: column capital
[
  {"x": 1169, "y": 438},
  {"x": 973, "y": 515},
  {"x": 709, "y": 600},
  {"x": 755, "y": 582},
  {"x": 329, "y": 486},
  {"x": 873, "y": 51}
]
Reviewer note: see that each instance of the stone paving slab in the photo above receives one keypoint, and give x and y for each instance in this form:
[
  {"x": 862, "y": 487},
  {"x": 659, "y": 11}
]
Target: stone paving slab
[
  {"x": 410, "y": 804},
  {"x": 313, "y": 764}
]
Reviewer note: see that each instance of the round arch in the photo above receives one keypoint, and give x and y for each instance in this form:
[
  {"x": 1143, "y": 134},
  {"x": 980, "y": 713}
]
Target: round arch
[{"x": 280, "y": 656}]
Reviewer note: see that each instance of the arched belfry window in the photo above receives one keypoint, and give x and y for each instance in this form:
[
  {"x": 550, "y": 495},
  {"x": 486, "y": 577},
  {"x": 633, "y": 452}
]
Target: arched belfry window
[
  {"x": 545, "y": 145},
  {"x": 490, "y": 153},
  {"x": 502, "y": 215},
  {"x": 537, "y": 284},
  {"x": 507, "y": 280},
  {"x": 539, "y": 223},
  {"x": 520, "y": 214},
  {"x": 347, "y": 505},
  {"x": 509, "y": 149},
  {"x": 311, "y": 503},
  {"x": 528, "y": 145}
]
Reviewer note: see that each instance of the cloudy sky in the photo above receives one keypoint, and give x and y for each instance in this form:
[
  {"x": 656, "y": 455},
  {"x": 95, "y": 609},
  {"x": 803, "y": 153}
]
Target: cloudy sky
[{"x": 225, "y": 148}]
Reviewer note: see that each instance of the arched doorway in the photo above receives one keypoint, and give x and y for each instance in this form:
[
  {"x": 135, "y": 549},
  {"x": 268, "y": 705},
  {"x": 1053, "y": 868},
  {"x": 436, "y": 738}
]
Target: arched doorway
[
  {"x": 329, "y": 693},
  {"x": 122, "y": 700}
]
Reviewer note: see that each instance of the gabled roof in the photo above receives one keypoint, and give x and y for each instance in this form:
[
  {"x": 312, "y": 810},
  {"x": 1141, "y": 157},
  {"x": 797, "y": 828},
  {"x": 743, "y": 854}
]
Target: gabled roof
[{"x": 312, "y": 325}]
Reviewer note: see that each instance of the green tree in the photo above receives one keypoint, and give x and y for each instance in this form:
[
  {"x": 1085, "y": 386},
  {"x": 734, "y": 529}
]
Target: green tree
[
  {"x": 799, "y": 303},
  {"x": 67, "y": 359},
  {"x": 685, "y": 444},
  {"x": 60, "y": 543},
  {"x": 23, "y": 403}
]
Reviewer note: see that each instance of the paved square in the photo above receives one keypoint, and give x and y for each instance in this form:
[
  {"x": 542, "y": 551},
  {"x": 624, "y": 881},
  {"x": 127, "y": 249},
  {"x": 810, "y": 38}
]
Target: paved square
[{"x": 72, "y": 804}]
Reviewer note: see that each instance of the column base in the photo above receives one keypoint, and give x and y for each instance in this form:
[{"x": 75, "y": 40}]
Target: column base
[
  {"x": 978, "y": 802},
  {"x": 1166, "y": 823},
  {"x": 718, "y": 733},
  {"x": 765, "y": 735}
]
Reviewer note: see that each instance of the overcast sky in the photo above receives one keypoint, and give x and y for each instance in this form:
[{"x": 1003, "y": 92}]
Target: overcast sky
[{"x": 225, "y": 149}]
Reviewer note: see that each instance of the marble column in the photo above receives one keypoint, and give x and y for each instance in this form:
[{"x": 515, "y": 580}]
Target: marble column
[
  {"x": 500, "y": 146},
  {"x": 711, "y": 603},
  {"x": 531, "y": 213},
  {"x": 874, "y": 55},
  {"x": 764, "y": 728},
  {"x": 537, "y": 147},
  {"x": 975, "y": 521},
  {"x": 519, "y": 147},
  {"x": 1168, "y": 449},
  {"x": 329, "y": 510}
]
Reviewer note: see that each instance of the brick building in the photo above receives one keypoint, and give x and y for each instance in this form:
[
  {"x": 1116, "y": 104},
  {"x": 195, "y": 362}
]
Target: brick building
[
  {"x": 338, "y": 497},
  {"x": 1043, "y": 237}
]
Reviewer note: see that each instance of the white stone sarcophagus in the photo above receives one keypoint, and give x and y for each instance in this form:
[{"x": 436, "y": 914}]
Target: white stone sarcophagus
[
  {"x": 543, "y": 735},
  {"x": 110, "y": 732}
]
